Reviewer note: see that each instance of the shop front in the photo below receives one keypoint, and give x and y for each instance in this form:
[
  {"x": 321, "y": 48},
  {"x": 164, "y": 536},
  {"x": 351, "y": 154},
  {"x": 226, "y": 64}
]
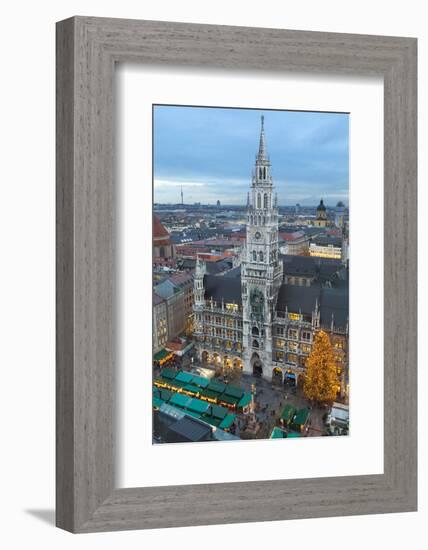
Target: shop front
[{"x": 290, "y": 378}]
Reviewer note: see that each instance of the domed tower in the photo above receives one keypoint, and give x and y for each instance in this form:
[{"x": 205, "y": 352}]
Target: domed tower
[
  {"x": 321, "y": 219},
  {"x": 261, "y": 268}
]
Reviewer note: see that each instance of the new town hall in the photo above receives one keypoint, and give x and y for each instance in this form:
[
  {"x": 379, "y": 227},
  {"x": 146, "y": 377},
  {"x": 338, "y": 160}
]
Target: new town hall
[{"x": 262, "y": 315}]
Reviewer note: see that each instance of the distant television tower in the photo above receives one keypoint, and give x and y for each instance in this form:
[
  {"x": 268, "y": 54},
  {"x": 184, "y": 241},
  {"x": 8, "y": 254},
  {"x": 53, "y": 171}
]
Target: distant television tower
[{"x": 182, "y": 201}]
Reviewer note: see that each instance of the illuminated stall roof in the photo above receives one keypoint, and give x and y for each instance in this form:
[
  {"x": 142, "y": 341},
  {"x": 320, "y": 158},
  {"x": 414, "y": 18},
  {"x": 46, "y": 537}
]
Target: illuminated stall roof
[
  {"x": 288, "y": 413},
  {"x": 218, "y": 387},
  {"x": 184, "y": 377},
  {"x": 180, "y": 400},
  {"x": 277, "y": 433},
  {"x": 245, "y": 400},
  {"x": 234, "y": 391},
  {"x": 227, "y": 422},
  {"x": 169, "y": 374},
  {"x": 200, "y": 381},
  {"x": 192, "y": 388},
  {"x": 198, "y": 406}
]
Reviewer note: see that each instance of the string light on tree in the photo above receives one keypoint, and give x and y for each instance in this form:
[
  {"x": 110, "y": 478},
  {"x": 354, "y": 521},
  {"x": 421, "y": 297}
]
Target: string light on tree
[{"x": 321, "y": 380}]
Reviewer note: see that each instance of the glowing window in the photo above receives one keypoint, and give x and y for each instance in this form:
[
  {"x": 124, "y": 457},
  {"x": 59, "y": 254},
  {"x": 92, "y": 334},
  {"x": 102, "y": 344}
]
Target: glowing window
[{"x": 294, "y": 316}]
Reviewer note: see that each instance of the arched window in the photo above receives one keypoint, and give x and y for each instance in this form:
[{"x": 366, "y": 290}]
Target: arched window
[
  {"x": 261, "y": 172},
  {"x": 254, "y": 256},
  {"x": 255, "y": 331},
  {"x": 259, "y": 200},
  {"x": 260, "y": 256},
  {"x": 265, "y": 201},
  {"x": 162, "y": 252},
  {"x": 255, "y": 344},
  {"x": 264, "y": 172}
]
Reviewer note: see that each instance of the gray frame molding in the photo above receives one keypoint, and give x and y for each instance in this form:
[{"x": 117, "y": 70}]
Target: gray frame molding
[{"x": 87, "y": 50}]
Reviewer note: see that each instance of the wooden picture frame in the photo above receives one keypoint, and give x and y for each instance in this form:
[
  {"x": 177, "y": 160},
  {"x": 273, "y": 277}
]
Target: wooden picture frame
[{"x": 87, "y": 50}]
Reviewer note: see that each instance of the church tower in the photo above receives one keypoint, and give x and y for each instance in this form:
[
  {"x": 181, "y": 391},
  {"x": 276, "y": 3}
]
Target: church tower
[{"x": 261, "y": 268}]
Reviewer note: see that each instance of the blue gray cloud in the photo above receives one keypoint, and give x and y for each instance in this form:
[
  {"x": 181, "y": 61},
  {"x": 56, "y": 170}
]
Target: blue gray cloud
[{"x": 210, "y": 152}]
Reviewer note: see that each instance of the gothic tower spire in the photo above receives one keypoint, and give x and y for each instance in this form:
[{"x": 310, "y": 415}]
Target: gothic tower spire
[
  {"x": 262, "y": 174},
  {"x": 262, "y": 143},
  {"x": 261, "y": 266}
]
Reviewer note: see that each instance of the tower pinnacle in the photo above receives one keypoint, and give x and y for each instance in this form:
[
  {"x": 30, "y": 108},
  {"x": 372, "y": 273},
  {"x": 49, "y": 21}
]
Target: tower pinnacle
[{"x": 262, "y": 144}]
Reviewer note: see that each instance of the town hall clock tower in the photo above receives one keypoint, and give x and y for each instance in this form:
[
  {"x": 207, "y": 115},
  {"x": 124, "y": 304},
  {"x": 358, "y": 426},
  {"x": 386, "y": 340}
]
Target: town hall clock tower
[{"x": 261, "y": 268}]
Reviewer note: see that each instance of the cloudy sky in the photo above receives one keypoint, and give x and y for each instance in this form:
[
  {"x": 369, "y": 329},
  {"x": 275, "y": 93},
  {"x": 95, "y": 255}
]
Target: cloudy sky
[{"x": 210, "y": 152}]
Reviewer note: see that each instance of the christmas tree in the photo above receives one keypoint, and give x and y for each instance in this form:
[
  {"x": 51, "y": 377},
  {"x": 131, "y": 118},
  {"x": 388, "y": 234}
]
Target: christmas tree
[{"x": 321, "y": 380}]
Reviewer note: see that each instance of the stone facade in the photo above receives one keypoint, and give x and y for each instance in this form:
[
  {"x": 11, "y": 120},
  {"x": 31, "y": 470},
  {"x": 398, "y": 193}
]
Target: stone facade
[
  {"x": 160, "y": 323},
  {"x": 177, "y": 292}
]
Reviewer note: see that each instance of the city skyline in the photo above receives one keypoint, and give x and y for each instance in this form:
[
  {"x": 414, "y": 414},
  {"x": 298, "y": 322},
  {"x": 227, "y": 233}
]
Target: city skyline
[{"x": 209, "y": 152}]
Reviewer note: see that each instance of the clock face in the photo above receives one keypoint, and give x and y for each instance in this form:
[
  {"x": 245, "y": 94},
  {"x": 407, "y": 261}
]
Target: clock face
[{"x": 257, "y": 235}]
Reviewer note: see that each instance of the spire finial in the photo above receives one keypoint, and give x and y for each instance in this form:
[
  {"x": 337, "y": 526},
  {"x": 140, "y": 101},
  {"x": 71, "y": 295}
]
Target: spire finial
[{"x": 262, "y": 145}]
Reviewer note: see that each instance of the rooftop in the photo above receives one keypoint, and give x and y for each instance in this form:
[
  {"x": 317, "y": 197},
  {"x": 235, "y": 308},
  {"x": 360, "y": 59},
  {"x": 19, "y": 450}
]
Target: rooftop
[
  {"x": 227, "y": 289},
  {"x": 159, "y": 230}
]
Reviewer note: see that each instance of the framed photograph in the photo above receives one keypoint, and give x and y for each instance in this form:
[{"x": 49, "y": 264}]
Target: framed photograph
[
  {"x": 236, "y": 274},
  {"x": 250, "y": 307}
]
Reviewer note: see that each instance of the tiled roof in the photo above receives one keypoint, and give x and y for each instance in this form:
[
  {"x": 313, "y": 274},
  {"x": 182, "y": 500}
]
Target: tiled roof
[
  {"x": 290, "y": 236},
  {"x": 158, "y": 229}
]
